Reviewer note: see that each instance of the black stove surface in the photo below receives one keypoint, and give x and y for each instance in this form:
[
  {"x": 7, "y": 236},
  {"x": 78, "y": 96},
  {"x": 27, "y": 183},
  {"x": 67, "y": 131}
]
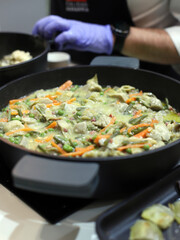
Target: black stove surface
[{"x": 51, "y": 208}]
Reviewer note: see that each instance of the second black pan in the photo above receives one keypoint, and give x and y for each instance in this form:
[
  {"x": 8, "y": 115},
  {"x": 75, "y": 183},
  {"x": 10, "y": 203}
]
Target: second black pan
[
  {"x": 116, "y": 222},
  {"x": 38, "y": 48},
  {"x": 90, "y": 177}
]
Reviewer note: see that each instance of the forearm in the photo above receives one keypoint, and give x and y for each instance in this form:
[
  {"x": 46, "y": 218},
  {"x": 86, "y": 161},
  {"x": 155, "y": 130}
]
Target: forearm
[{"x": 151, "y": 45}]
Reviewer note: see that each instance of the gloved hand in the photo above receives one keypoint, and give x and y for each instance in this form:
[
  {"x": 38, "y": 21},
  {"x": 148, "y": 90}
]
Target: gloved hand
[{"x": 75, "y": 35}]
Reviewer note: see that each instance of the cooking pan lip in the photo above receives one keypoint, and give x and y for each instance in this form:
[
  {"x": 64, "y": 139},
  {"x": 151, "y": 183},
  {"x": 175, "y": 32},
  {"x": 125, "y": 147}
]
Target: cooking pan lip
[
  {"x": 92, "y": 159},
  {"x": 85, "y": 66},
  {"x": 14, "y": 66}
]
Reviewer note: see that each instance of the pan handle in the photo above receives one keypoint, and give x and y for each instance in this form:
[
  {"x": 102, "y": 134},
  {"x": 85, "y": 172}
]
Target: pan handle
[
  {"x": 118, "y": 61},
  {"x": 50, "y": 176}
]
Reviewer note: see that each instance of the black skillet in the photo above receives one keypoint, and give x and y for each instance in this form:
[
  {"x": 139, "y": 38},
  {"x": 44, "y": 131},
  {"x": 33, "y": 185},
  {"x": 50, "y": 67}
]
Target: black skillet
[
  {"x": 115, "y": 223},
  {"x": 90, "y": 177},
  {"x": 38, "y": 48}
]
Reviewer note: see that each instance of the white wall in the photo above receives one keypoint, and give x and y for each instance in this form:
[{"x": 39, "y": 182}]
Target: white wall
[{"x": 21, "y": 15}]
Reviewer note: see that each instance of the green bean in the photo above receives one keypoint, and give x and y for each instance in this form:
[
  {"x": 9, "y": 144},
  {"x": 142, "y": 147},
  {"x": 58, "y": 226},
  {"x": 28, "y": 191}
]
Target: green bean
[
  {"x": 31, "y": 115},
  {"x": 51, "y": 129},
  {"x": 43, "y": 118},
  {"x": 9, "y": 115},
  {"x": 115, "y": 133},
  {"x": 20, "y": 112},
  {"x": 129, "y": 108},
  {"x": 144, "y": 103},
  {"x": 74, "y": 144},
  {"x": 74, "y": 88},
  {"x": 42, "y": 147},
  {"x": 60, "y": 139},
  {"x": 137, "y": 120},
  {"x": 166, "y": 103},
  {"x": 16, "y": 118},
  {"x": 27, "y": 135},
  {"x": 137, "y": 130}
]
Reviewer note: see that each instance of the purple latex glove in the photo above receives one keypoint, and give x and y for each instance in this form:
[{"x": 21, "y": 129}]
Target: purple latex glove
[{"x": 75, "y": 35}]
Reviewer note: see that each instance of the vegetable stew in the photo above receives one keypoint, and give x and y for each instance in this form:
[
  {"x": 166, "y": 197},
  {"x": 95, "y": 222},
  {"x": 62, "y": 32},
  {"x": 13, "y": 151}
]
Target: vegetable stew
[{"x": 90, "y": 120}]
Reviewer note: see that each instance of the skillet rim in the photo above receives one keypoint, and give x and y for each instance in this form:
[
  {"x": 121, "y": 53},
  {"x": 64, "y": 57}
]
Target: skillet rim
[{"x": 81, "y": 159}]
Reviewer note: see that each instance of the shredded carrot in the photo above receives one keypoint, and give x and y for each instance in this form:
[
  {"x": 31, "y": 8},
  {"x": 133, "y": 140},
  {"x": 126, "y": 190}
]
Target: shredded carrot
[
  {"x": 52, "y": 125},
  {"x": 55, "y": 101},
  {"x": 16, "y": 100},
  {"x": 14, "y": 113},
  {"x": 130, "y": 99},
  {"x": 39, "y": 140},
  {"x": 79, "y": 151},
  {"x": 47, "y": 139},
  {"x": 113, "y": 119},
  {"x": 143, "y": 125},
  {"x": 60, "y": 150},
  {"x": 138, "y": 145},
  {"x": 53, "y": 104},
  {"x": 138, "y": 125},
  {"x": 107, "y": 90},
  {"x": 122, "y": 129},
  {"x": 23, "y": 112},
  {"x": 137, "y": 114},
  {"x": 71, "y": 100},
  {"x": 49, "y": 105},
  {"x": 13, "y": 106},
  {"x": 3, "y": 120},
  {"x": 51, "y": 97},
  {"x": 136, "y": 94},
  {"x": 154, "y": 121},
  {"x": 66, "y": 85},
  {"x": 96, "y": 140},
  {"x": 58, "y": 93},
  {"x": 142, "y": 134},
  {"x": 26, "y": 129},
  {"x": 34, "y": 99}
]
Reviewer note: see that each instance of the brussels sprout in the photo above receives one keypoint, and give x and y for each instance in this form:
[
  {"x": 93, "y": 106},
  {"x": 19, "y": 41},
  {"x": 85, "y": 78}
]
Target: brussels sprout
[
  {"x": 159, "y": 214},
  {"x": 175, "y": 207},
  {"x": 145, "y": 230}
]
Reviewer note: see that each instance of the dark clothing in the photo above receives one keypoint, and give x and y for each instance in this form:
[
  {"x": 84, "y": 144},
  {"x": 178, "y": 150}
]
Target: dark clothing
[
  {"x": 101, "y": 12},
  {"x": 93, "y": 11}
]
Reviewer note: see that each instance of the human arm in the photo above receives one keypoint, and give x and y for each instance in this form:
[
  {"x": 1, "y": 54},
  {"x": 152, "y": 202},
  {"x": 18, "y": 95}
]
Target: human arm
[
  {"x": 152, "y": 45},
  {"x": 148, "y": 44}
]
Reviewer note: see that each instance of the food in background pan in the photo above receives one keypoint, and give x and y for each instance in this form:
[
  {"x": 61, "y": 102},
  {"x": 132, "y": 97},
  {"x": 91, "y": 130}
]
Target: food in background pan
[
  {"x": 17, "y": 56},
  {"x": 145, "y": 230},
  {"x": 155, "y": 219},
  {"x": 175, "y": 207},
  {"x": 90, "y": 120}
]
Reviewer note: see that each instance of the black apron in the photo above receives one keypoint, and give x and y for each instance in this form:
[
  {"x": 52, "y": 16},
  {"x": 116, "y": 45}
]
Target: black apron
[
  {"x": 93, "y": 11},
  {"x": 101, "y": 12}
]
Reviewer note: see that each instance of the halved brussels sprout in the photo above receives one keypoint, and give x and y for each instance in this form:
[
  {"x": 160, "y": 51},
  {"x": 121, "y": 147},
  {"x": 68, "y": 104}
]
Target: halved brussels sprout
[
  {"x": 175, "y": 207},
  {"x": 159, "y": 214},
  {"x": 145, "y": 230}
]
